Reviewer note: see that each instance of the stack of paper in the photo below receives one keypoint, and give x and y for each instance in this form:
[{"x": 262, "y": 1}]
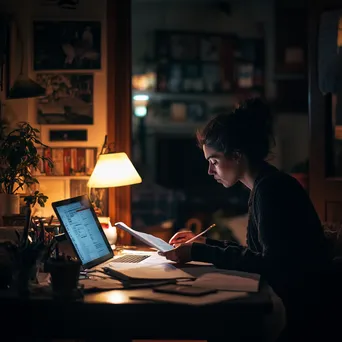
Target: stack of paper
[
  {"x": 229, "y": 281},
  {"x": 218, "y": 297}
]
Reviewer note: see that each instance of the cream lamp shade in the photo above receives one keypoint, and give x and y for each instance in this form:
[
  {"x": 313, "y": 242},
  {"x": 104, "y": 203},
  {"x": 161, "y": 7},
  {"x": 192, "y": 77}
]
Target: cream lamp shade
[{"x": 113, "y": 170}]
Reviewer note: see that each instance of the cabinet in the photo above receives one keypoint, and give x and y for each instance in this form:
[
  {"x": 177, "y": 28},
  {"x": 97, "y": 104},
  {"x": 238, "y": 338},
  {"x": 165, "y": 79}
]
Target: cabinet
[
  {"x": 325, "y": 56},
  {"x": 290, "y": 76}
]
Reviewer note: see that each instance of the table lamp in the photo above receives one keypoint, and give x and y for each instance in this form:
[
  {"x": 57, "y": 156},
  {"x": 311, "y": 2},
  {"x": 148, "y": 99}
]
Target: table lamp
[{"x": 112, "y": 170}]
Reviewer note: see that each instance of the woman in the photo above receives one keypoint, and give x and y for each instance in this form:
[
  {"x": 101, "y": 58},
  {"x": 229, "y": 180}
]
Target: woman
[{"x": 285, "y": 239}]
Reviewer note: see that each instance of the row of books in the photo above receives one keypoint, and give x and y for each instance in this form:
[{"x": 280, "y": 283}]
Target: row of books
[{"x": 78, "y": 161}]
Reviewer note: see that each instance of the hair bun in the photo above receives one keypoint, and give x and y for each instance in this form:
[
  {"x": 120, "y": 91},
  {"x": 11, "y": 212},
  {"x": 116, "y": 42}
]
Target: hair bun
[
  {"x": 255, "y": 114},
  {"x": 248, "y": 129}
]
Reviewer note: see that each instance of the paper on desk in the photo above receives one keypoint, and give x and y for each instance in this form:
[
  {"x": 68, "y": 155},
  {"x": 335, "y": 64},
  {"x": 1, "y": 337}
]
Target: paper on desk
[
  {"x": 229, "y": 281},
  {"x": 180, "y": 299},
  {"x": 159, "y": 271},
  {"x": 98, "y": 284},
  {"x": 148, "y": 239}
]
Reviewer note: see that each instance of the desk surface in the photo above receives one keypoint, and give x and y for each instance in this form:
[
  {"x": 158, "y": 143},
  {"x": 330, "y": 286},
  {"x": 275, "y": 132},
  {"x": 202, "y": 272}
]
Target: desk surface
[
  {"x": 113, "y": 315},
  {"x": 119, "y": 316}
]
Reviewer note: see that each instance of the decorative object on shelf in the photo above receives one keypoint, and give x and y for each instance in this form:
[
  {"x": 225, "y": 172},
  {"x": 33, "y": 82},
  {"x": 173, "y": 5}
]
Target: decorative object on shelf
[
  {"x": 178, "y": 111},
  {"x": 144, "y": 82},
  {"x": 19, "y": 158},
  {"x": 197, "y": 63},
  {"x": 197, "y": 111},
  {"x": 61, "y": 45},
  {"x": 250, "y": 64},
  {"x": 68, "y": 99},
  {"x": 68, "y": 135},
  {"x": 183, "y": 111}
]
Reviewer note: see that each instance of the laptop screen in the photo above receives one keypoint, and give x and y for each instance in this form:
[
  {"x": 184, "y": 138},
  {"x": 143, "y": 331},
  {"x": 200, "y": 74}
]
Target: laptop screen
[{"x": 84, "y": 230}]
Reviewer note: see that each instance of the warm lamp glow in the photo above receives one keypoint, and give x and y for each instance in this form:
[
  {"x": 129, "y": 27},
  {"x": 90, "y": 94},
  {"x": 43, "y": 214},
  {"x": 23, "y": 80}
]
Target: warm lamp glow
[{"x": 113, "y": 170}]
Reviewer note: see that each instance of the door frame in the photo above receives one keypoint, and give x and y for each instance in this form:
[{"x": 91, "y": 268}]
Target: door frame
[{"x": 119, "y": 103}]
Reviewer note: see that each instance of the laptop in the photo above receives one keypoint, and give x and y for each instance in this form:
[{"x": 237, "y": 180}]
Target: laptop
[{"x": 84, "y": 231}]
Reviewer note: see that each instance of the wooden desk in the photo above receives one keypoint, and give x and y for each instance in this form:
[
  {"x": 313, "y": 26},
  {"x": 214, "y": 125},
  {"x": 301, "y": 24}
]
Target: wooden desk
[{"x": 112, "y": 315}]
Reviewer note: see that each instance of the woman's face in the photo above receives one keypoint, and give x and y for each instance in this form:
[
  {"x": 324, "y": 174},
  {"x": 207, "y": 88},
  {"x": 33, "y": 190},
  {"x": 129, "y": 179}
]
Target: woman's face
[{"x": 226, "y": 171}]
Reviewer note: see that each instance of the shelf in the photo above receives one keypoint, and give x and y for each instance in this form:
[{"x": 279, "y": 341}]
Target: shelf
[
  {"x": 61, "y": 177},
  {"x": 289, "y": 76}
]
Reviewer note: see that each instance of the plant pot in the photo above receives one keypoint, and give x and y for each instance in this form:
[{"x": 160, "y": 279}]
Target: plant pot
[
  {"x": 64, "y": 276},
  {"x": 9, "y": 205}
]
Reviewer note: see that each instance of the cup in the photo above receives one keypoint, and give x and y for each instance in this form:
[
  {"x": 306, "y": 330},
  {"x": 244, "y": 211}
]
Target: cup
[{"x": 64, "y": 276}]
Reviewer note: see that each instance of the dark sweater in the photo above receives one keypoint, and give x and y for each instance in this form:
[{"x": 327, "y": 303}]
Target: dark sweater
[{"x": 285, "y": 239}]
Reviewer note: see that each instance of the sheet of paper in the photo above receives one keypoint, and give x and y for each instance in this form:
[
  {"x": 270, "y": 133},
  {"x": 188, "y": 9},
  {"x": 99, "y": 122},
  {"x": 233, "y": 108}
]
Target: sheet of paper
[
  {"x": 179, "y": 299},
  {"x": 229, "y": 281},
  {"x": 149, "y": 239},
  {"x": 93, "y": 284}
]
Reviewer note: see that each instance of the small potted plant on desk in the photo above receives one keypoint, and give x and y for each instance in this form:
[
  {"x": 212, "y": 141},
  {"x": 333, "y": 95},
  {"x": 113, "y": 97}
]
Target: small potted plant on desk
[
  {"x": 19, "y": 158},
  {"x": 65, "y": 273}
]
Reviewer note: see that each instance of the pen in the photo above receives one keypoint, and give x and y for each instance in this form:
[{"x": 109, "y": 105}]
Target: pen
[{"x": 198, "y": 235}]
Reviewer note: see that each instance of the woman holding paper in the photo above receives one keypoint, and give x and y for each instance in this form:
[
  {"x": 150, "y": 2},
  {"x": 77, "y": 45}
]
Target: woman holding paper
[{"x": 285, "y": 239}]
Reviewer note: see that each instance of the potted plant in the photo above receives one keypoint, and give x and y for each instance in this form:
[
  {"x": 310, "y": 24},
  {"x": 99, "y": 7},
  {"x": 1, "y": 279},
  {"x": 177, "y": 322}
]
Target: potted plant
[{"x": 19, "y": 159}]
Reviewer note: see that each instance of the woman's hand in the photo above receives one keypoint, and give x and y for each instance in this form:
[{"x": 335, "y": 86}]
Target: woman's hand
[
  {"x": 180, "y": 254},
  {"x": 182, "y": 237}
]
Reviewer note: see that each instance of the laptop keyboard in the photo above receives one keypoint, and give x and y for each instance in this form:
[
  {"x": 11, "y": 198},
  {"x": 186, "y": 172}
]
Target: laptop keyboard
[{"x": 131, "y": 258}]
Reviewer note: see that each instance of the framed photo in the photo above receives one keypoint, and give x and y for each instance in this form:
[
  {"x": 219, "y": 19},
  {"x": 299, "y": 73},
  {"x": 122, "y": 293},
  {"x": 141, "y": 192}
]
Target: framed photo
[
  {"x": 98, "y": 196},
  {"x": 68, "y": 135},
  {"x": 68, "y": 99},
  {"x": 66, "y": 45}
]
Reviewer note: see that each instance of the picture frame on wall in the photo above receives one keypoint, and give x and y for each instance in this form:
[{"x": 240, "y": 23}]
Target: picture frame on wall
[
  {"x": 68, "y": 135},
  {"x": 66, "y": 45},
  {"x": 98, "y": 196},
  {"x": 68, "y": 99}
]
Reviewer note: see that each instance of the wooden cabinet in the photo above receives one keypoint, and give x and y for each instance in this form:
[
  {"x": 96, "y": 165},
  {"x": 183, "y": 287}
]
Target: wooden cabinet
[
  {"x": 290, "y": 76},
  {"x": 325, "y": 98}
]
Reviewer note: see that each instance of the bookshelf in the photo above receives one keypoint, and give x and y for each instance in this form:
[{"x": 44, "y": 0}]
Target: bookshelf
[{"x": 69, "y": 177}]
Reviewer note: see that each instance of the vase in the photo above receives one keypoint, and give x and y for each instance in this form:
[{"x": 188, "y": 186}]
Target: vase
[
  {"x": 108, "y": 229},
  {"x": 9, "y": 205}
]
